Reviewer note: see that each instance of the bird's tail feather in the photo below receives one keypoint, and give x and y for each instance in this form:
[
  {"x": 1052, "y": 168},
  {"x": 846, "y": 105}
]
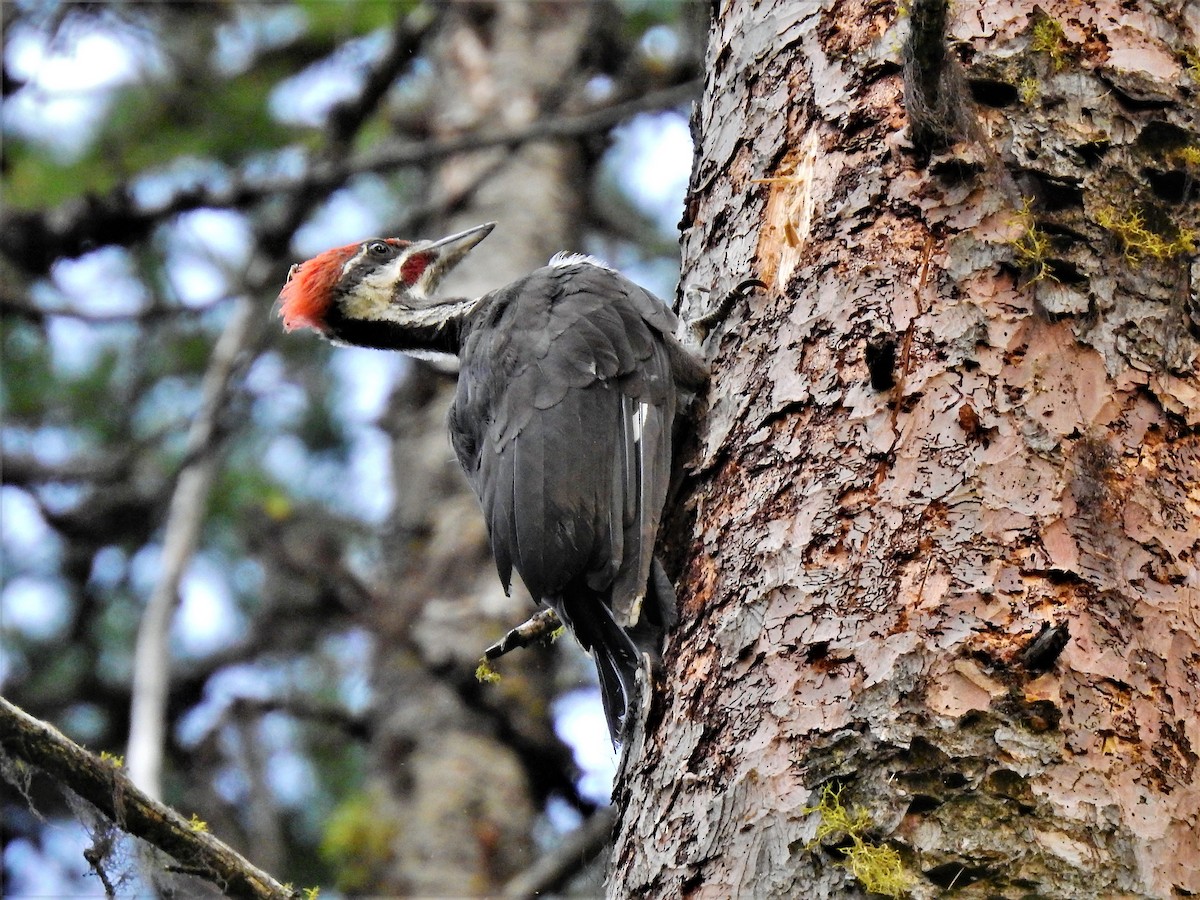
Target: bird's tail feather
[{"x": 613, "y": 650}]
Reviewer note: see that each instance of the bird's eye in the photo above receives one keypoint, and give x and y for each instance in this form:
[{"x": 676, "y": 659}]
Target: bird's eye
[{"x": 379, "y": 248}]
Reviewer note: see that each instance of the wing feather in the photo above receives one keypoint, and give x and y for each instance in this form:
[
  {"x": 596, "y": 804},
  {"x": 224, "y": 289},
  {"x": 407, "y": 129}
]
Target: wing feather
[{"x": 567, "y": 395}]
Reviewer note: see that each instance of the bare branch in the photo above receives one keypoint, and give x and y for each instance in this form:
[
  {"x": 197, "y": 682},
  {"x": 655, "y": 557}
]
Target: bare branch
[
  {"x": 409, "y": 31},
  {"x": 233, "y": 354},
  {"x": 408, "y": 153},
  {"x": 538, "y": 627},
  {"x": 11, "y": 305},
  {"x": 354, "y": 726},
  {"x": 26, "y": 468},
  {"x": 104, "y": 786},
  {"x": 184, "y": 519},
  {"x": 555, "y": 869},
  {"x": 35, "y": 239}
]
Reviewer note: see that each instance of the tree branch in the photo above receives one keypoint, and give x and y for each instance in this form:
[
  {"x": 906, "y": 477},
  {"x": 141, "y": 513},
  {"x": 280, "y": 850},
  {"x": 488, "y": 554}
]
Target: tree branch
[
  {"x": 232, "y": 355},
  {"x": 36, "y": 239},
  {"x": 578, "y": 848},
  {"x": 538, "y": 627},
  {"x": 151, "y": 665},
  {"x": 108, "y": 789}
]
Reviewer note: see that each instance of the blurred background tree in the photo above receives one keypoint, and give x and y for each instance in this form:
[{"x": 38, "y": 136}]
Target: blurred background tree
[{"x": 276, "y": 525}]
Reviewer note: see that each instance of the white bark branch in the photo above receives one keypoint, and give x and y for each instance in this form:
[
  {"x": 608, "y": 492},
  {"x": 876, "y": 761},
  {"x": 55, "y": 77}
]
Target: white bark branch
[{"x": 151, "y": 664}]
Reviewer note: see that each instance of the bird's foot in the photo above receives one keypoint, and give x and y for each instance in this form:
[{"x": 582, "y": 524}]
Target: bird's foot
[{"x": 539, "y": 627}]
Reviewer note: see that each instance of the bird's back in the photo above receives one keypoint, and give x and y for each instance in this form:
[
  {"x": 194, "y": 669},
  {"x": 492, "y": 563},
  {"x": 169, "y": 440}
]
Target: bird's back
[{"x": 562, "y": 422}]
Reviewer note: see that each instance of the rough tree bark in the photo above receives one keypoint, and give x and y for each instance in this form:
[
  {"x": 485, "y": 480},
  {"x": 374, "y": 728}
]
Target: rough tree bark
[{"x": 968, "y": 408}]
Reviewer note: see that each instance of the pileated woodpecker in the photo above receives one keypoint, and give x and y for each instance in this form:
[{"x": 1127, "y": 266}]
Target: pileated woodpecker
[{"x": 561, "y": 420}]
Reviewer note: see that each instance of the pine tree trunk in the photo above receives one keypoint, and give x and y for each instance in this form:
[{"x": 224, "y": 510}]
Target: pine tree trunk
[{"x": 966, "y": 413}]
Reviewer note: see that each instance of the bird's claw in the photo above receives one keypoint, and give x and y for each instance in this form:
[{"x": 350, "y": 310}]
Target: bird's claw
[{"x": 539, "y": 627}]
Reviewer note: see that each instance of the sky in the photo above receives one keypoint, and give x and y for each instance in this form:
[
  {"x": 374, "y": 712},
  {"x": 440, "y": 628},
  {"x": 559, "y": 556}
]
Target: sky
[{"x": 71, "y": 85}]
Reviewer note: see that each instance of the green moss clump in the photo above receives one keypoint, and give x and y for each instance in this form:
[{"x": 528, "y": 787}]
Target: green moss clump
[
  {"x": 1049, "y": 38},
  {"x": 1191, "y": 61},
  {"x": 877, "y": 867},
  {"x": 358, "y": 842},
  {"x": 117, "y": 762},
  {"x": 1188, "y": 157},
  {"x": 1029, "y": 90},
  {"x": 485, "y": 674}
]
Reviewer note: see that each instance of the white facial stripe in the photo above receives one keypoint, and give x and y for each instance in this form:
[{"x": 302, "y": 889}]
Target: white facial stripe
[
  {"x": 353, "y": 261},
  {"x": 380, "y": 281}
]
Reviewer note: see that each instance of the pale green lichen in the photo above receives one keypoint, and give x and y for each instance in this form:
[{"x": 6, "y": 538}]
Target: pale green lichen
[
  {"x": 1031, "y": 248},
  {"x": 1139, "y": 241},
  {"x": 117, "y": 762},
  {"x": 877, "y": 867},
  {"x": 1029, "y": 90},
  {"x": 485, "y": 674}
]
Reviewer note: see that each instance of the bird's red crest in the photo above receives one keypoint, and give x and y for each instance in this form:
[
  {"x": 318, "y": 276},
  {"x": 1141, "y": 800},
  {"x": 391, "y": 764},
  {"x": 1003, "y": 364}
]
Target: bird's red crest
[{"x": 305, "y": 299}]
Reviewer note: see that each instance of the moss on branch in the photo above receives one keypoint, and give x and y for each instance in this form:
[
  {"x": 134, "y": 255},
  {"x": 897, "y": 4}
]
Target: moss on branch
[{"x": 100, "y": 781}]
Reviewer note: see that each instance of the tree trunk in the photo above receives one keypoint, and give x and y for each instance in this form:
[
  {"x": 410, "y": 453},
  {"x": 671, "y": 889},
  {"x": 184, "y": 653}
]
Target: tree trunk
[
  {"x": 966, "y": 410},
  {"x": 464, "y": 769}
]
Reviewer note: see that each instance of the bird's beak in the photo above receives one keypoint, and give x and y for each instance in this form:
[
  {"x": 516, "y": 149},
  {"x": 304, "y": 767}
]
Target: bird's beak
[
  {"x": 447, "y": 253},
  {"x": 450, "y": 250}
]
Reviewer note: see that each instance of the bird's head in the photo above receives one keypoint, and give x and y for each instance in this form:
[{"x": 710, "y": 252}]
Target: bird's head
[{"x": 384, "y": 280}]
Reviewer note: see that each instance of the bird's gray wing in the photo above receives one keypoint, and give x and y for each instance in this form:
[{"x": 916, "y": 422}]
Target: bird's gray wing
[{"x": 562, "y": 422}]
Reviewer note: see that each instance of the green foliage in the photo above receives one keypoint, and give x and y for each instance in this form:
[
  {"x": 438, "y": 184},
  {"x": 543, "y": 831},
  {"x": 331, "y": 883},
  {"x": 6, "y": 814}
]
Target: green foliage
[
  {"x": 641, "y": 15},
  {"x": 242, "y": 487},
  {"x": 28, "y": 377},
  {"x": 35, "y": 179},
  {"x": 347, "y": 18},
  {"x": 148, "y": 127},
  {"x": 877, "y": 867}
]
